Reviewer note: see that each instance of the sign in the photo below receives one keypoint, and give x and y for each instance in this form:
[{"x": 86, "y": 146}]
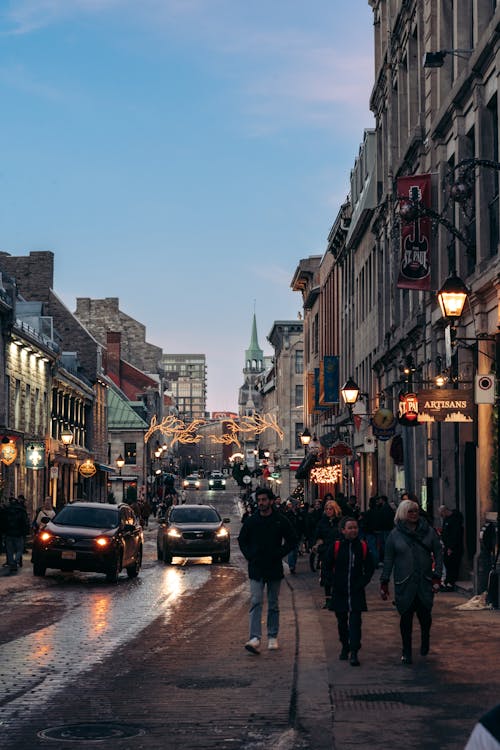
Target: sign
[
  {"x": 383, "y": 424},
  {"x": 415, "y": 265},
  {"x": 341, "y": 450},
  {"x": 35, "y": 455},
  {"x": 8, "y": 453},
  {"x": 294, "y": 464},
  {"x": 54, "y": 472},
  {"x": 446, "y": 405},
  {"x": 87, "y": 468},
  {"x": 317, "y": 405},
  {"x": 484, "y": 389},
  {"x": 408, "y": 409}
]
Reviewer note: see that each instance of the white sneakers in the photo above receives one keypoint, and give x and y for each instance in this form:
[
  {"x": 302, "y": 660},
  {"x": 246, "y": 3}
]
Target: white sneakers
[
  {"x": 272, "y": 644},
  {"x": 253, "y": 645}
]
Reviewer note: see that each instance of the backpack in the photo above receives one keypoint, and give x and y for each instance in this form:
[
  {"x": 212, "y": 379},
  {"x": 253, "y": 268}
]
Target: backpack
[{"x": 336, "y": 548}]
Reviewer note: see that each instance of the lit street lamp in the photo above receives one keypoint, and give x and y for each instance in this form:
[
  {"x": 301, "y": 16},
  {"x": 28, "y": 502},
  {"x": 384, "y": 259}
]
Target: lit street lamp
[
  {"x": 66, "y": 438},
  {"x": 120, "y": 462}
]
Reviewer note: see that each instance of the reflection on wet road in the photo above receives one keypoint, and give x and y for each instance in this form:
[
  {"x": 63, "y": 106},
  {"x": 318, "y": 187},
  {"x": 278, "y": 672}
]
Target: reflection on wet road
[{"x": 98, "y": 618}]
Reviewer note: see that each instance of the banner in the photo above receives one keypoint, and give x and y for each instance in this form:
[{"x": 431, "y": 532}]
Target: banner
[
  {"x": 415, "y": 265},
  {"x": 329, "y": 381},
  {"x": 317, "y": 405}
]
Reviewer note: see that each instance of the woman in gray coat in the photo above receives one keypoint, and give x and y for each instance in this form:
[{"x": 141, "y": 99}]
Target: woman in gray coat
[{"x": 414, "y": 552}]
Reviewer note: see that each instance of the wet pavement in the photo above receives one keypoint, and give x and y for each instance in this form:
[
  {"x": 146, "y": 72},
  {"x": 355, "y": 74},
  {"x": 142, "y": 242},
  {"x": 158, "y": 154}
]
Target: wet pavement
[{"x": 158, "y": 662}]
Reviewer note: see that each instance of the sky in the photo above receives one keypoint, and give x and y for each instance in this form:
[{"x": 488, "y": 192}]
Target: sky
[{"x": 182, "y": 155}]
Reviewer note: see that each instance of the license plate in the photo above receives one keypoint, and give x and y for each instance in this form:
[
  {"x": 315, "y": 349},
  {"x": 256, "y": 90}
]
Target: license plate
[{"x": 68, "y": 555}]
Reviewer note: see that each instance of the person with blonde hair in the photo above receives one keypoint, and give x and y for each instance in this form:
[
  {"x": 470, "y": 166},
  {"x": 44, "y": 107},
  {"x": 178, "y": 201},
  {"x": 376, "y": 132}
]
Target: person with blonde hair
[
  {"x": 413, "y": 554},
  {"x": 327, "y": 531}
]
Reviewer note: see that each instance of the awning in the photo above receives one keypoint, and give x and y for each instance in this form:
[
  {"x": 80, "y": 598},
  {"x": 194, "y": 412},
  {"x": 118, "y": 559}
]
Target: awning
[
  {"x": 104, "y": 467},
  {"x": 305, "y": 466}
]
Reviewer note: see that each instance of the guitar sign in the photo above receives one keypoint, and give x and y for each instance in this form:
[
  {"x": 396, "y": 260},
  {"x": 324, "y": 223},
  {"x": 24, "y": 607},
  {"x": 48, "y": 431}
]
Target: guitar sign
[{"x": 415, "y": 235}]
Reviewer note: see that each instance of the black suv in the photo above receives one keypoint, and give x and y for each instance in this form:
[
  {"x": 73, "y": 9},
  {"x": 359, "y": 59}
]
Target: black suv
[
  {"x": 216, "y": 481},
  {"x": 90, "y": 537},
  {"x": 193, "y": 531}
]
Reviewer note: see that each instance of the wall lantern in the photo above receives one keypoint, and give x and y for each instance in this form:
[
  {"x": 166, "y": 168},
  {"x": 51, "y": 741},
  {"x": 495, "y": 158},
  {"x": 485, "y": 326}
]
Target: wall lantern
[
  {"x": 305, "y": 438},
  {"x": 452, "y": 297},
  {"x": 350, "y": 392}
]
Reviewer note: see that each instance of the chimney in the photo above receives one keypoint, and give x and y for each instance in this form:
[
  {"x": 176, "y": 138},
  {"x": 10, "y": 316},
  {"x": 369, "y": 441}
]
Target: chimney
[{"x": 113, "y": 356}]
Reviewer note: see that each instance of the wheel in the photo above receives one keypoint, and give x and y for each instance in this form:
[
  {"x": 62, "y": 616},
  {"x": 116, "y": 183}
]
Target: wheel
[
  {"x": 133, "y": 570},
  {"x": 39, "y": 569},
  {"x": 114, "y": 572},
  {"x": 167, "y": 557},
  {"x": 225, "y": 557}
]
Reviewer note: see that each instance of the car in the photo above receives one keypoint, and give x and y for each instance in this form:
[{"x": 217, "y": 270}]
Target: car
[
  {"x": 194, "y": 531},
  {"x": 191, "y": 482},
  {"x": 216, "y": 481},
  {"x": 90, "y": 537}
]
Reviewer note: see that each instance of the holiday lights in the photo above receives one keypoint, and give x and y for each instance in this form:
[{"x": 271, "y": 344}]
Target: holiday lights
[
  {"x": 326, "y": 474},
  {"x": 178, "y": 431}
]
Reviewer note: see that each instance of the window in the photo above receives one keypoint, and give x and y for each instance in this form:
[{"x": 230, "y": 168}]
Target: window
[
  {"x": 299, "y": 361},
  {"x": 130, "y": 453},
  {"x": 299, "y": 429},
  {"x": 299, "y": 395},
  {"x": 17, "y": 404}
]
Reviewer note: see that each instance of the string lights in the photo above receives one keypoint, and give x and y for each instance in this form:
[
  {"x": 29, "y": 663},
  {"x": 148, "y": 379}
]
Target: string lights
[{"x": 176, "y": 430}]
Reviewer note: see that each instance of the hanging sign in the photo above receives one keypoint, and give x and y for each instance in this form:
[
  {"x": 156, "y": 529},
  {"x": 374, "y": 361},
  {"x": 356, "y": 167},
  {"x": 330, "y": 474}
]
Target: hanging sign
[
  {"x": 87, "y": 468},
  {"x": 35, "y": 455},
  {"x": 446, "y": 405},
  {"x": 415, "y": 265},
  {"x": 408, "y": 409},
  {"x": 8, "y": 453}
]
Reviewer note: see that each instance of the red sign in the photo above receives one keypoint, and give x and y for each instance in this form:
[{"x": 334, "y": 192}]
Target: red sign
[
  {"x": 294, "y": 465},
  {"x": 408, "y": 408},
  {"x": 341, "y": 450},
  {"x": 414, "y": 193}
]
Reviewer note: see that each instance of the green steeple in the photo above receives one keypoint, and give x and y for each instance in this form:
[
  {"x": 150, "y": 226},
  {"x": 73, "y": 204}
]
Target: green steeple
[{"x": 254, "y": 355}]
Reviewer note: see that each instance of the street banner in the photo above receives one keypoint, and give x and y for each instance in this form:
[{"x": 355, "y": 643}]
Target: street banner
[
  {"x": 310, "y": 392},
  {"x": 446, "y": 405},
  {"x": 329, "y": 381},
  {"x": 34, "y": 454},
  {"x": 317, "y": 405},
  {"x": 415, "y": 265}
]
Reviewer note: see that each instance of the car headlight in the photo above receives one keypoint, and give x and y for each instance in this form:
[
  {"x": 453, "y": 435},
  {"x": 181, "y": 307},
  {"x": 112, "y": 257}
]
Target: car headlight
[
  {"x": 196, "y": 484},
  {"x": 211, "y": 482},
  {"x": 222, "y": 532},
  {"x": 44, "y": 536},
  {"x": 174, "y": 532},
  {"x": 223, "y": 482},
  {"x": 186, "y": 484},
  {"x": 102, "y": 541}
]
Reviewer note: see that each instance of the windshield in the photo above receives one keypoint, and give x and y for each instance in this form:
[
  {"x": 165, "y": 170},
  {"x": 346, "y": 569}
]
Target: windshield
[
  {"x": 94, "y": 518},
  {"x": 194, "y": 515}
]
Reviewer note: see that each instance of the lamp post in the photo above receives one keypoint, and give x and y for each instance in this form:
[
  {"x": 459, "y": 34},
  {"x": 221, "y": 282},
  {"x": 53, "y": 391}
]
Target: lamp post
[
  {"x": 120, "y": 462},
  {"x": 305, "y": 439},
  {"x": 66, "y": 438}
]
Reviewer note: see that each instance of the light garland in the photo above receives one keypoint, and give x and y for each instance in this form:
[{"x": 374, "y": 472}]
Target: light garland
[
  {"x": 178, "y": 431},
  {"x": 326, "y": 474}
]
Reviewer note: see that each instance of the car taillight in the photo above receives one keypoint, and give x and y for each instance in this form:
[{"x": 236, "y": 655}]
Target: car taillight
[{"x": 102, "y": 541}]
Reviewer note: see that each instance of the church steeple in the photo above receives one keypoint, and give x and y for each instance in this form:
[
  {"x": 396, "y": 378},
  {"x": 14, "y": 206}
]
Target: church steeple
[{"x": 254, "y": 356}]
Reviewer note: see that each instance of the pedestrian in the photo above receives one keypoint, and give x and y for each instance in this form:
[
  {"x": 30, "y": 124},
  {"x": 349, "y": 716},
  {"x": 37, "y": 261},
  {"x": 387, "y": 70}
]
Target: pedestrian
[
  {"x": 15, "y": 525},
  {"x": 293, "y": 517},
  {"x": 413, "y": 552},
  {"x": 486, "y": 733},
  {"x": 367, "y": 524},
  {"x": 265, "y": 538},
  {"x": 452, "y": 539},
  {"x": 46, "y": 511},
  {"x": 384, "y": 524},
  {"x": 349, "y": 567},
  {"x": 327, "y": 531}
]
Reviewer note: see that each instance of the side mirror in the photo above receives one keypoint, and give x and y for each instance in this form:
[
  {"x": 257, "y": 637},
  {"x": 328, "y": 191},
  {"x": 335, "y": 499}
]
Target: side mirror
[{"x": 44, "y": 519}]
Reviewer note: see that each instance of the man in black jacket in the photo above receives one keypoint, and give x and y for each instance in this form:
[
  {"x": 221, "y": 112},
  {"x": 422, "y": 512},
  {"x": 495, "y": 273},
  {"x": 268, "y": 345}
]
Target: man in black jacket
[
  {"x": 452, "y": 538},
  {"x": 265, "y": 538},
  {"x": 15, "y": 525}
]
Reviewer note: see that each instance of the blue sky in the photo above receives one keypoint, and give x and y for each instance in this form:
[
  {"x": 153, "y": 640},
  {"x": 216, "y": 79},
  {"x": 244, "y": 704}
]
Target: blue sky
[{"x": 182, "y": 155}]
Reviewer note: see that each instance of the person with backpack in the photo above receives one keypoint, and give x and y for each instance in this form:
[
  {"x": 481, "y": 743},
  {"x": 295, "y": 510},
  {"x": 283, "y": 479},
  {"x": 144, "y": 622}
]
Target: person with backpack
[
  {"x": 349, "y": 567},
  {"x": 15, "y": 524}
]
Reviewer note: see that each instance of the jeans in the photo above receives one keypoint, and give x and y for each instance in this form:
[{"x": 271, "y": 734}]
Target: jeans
[
  {"x": 273, "y": 611},
  {"x": 292, "y": 558},
  {"x": 14, "y": 547}
]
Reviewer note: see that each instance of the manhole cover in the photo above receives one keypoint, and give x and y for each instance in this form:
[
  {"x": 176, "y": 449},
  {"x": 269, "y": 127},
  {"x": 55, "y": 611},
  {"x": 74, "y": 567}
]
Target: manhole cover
[{"x": 91, "y": 732}]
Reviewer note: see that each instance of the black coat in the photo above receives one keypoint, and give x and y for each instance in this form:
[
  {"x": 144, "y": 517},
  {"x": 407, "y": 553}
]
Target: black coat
[
  {"x": 14, "y": 520},
  {"x": 452, "y": 534},
  {"x": 348, "y": 573},
  {"x": 264, "y": 541}
]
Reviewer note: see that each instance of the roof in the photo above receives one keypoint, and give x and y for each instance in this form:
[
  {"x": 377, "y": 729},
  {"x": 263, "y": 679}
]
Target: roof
[{"x": 121, "y": 415}]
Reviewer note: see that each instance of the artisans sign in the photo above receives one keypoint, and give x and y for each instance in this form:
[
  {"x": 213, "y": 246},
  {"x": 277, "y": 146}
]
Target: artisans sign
[{"x": 450, "y": 405}]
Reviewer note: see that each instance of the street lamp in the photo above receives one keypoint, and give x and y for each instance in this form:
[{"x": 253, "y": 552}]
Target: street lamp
[
  {"x": 350, "y": 393},
  {"x": 305, "y": 439},
  {"x": 66, "y": 438},
  {"x": 452, "y": 297},
  {"x": 120, "y": 462}
]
